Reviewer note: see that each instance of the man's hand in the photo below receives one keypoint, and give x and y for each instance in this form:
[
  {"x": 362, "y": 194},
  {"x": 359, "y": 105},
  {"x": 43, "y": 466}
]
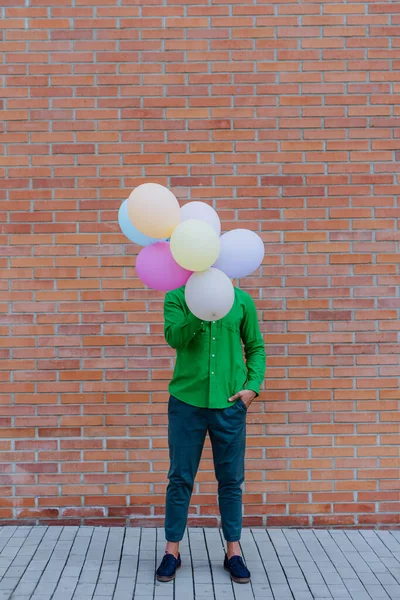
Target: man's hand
[{"x": 247, "y": 397}]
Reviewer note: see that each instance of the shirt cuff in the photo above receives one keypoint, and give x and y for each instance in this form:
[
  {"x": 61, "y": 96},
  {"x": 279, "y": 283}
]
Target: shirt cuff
[
  {"x": 253, "y": 386},
  {"x": 194, "y": 323}
]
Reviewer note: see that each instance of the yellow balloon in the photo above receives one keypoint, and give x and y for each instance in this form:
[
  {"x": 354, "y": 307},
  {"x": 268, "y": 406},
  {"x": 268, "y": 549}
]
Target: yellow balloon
[
  {"x": 195, "y": 245},
  {"x": 153, "y": 210}
]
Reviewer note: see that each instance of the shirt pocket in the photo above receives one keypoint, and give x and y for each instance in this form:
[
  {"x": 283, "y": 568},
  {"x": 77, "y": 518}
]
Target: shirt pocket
[{"x": 231, "y": 323}]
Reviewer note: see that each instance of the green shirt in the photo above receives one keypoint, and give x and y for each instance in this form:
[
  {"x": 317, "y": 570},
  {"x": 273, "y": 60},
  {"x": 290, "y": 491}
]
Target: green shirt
[{"x": 209, "y": 364}]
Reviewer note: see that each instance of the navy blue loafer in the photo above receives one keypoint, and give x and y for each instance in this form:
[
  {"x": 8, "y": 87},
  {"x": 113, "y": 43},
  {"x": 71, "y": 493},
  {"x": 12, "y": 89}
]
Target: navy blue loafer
[
  {"x": 168, "y": 567},
  {"x": 237, "y": 569}
]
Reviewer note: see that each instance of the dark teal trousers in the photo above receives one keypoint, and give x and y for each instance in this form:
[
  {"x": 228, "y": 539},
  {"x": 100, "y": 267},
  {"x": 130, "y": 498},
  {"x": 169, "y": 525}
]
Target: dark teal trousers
[{"x": 187, "y": 429}]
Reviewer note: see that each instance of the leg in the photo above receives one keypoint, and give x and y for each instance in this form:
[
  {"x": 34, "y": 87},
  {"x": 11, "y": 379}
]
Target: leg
[
  {"x": 228, "y": 438},
  {"x": 187, "y": 428}
]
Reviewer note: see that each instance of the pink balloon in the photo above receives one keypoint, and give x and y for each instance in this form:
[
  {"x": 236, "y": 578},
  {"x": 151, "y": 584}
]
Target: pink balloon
[{"x": 157, "y": 268}]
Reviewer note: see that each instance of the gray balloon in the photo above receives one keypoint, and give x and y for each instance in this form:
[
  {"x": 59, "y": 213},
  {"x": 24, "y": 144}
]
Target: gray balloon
[{"x": 209, "y": 294}]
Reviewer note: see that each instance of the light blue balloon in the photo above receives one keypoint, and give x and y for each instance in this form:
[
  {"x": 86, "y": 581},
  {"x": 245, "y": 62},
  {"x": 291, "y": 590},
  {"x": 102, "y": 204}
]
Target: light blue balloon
[{"x": 129, "y": 230}]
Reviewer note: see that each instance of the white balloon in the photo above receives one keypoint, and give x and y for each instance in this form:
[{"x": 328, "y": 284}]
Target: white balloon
[
  {"x": 242, "y": 252},
  {"x": 209, "y": 294},
  {"x": 202, "y": 212}
]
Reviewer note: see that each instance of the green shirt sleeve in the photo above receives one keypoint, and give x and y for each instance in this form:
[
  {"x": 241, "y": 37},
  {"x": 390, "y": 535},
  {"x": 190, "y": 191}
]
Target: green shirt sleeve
[
  {"x": 253, "y": 347},
  {"x": 179, "y": 328}
]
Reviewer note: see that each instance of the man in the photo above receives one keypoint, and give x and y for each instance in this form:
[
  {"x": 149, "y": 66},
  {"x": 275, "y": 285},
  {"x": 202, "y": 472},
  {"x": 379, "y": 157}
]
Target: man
[{"x": 211, "y": 390}]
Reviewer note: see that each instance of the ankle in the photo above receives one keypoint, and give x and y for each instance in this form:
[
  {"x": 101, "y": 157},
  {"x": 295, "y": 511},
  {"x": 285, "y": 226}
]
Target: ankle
[
  {"x": 233, "y": 549},
  {"x": 172, "y": 548}
]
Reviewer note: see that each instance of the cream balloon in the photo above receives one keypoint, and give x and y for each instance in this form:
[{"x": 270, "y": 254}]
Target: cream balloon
[
  {"x": 202, "y": 212},
  {"x": 209, "y": 294},
  {"x": 195, "y": 245},
  {"x": 153, "y": 210}
]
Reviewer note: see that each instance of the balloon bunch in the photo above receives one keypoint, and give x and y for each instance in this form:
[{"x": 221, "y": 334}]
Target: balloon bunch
[{"x": 182, "y": 246}]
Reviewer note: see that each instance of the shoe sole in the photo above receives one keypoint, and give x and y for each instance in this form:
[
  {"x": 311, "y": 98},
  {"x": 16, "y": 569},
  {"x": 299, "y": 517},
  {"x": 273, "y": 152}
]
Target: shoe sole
[
  {"x": 164, "y": 579},
  {"x": 238, "y": 579}
]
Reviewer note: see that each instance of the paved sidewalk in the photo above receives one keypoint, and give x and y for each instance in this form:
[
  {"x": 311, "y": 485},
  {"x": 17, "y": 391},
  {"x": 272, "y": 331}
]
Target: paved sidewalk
[{"x": 100, "y": 563}]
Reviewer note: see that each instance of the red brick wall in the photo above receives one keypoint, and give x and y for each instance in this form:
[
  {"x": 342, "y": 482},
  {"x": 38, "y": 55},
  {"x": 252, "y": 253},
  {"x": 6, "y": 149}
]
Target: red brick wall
[{"x": 286, "y": 116}]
